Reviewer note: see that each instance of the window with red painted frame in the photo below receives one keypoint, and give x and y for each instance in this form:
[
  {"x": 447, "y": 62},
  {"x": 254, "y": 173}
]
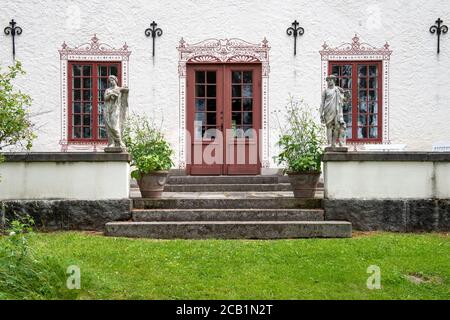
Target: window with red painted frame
[
  {"x": 363, "y": 112},
  {"x": 87, "y": 84}
]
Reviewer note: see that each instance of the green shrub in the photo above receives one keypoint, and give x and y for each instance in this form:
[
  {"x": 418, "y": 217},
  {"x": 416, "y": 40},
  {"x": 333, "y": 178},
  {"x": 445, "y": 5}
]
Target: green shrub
[
  {"x": 25, "y": 276},
  {"x": 147, "y": 145},
  {"x": 301, "y": 140},
  {"x": 15, "y": 125}
]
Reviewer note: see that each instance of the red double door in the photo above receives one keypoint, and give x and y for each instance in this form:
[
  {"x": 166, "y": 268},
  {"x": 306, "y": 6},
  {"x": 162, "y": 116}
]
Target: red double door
[{"x": 223, "y": 119}]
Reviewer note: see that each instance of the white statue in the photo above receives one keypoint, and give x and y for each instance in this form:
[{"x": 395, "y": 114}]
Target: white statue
[
  {"x": 115, "y": 112},
  {"x": 331, "y": 112}
]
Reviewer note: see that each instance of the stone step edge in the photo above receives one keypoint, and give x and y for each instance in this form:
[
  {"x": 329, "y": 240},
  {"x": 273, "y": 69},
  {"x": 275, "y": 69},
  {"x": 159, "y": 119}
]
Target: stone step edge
[
  {"x": 201, "y": 230},
  {"x": 228, "y": 210},
  {"x": 229, "y": 222}
]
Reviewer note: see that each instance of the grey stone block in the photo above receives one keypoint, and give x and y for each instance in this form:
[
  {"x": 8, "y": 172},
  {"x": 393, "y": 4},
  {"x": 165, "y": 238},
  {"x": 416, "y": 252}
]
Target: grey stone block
[
  {"x": 412, "y": 215},
  {"x": 228, "y": 215},
  {"x": 371, "y": 215},
  {"x": 229, "y": 203},
  {"x": 50, "y": 215},
  {"x": 227, "y": 187},
  {"x": 229, "y": 230},
  {"x": 422, "y": 215},
  {"x": 444, "y": 215}
]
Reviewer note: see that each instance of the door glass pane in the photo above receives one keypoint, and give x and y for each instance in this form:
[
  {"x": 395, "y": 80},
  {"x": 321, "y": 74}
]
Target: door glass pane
[
  {"x": 199, "y": 90},
  {"x": 199, "y": 105},
  {"x": 248, "y": 104},
  {"x": 237, "y": 91},
  {"x": 76, "y": 95},
  {"x": 236, "y": 77},
  {"x": 76, "y": 107},
  {"x": 77, "y": 120},
  {"x": 211, "y": 91},
  {"x": 211, "y": 77},
  {"x": 236, "y": 104},
  {"x": 200, "y": 117},
  {"x": 211, "y": 105},
  {"x": 211, "y": 118},
  {"x": 248, "y": 77},
  {"x": 200, "y": 76},
  {"x": 248, "y": 118},
  {"x": 77, "y": 83},
  {"x": 237, "y": 118},
  {"x": 247, "y": 91}
]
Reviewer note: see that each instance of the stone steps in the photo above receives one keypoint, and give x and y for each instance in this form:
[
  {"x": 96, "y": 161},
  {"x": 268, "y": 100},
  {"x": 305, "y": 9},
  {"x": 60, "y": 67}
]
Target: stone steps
[
  {"x": 230, "y": 229},
  {"x": 228, "y": 203},
  {"x": 228, "y": 207},
  {"x": 227, "y": 180},
  {"x": 228, "y": 187},
  {"x": 227, "y": 215}
]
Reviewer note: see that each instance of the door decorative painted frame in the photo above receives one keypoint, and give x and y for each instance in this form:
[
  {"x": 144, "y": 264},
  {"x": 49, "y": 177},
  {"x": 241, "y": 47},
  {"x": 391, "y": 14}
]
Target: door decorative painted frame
[{"x": 224, "y": 51}]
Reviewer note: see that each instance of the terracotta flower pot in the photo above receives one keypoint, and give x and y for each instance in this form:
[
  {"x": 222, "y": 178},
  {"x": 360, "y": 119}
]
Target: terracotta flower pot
[
  {"x": 304, "y": 185},
  {"x": 152, "y": 184}
]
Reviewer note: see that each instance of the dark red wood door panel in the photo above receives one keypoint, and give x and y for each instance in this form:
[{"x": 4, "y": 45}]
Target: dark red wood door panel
[{"x": 223, "y": 119}]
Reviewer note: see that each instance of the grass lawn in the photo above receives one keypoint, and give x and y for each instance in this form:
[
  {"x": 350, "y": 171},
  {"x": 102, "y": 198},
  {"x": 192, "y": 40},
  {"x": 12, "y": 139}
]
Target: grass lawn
[{"x": 413, "y": 266}]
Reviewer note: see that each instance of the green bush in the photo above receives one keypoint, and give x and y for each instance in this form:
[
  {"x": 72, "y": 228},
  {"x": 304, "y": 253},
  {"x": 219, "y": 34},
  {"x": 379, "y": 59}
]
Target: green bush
[
  {"x": 15, "y": 126},
  {"x": 301, "y": 140},
  {"x": 23, "y": 275},
  {"x": 147, "y": 145}
]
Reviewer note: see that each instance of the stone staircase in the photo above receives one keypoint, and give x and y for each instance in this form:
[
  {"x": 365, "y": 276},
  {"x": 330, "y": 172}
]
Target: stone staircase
[{"x": 228, "y": 207}]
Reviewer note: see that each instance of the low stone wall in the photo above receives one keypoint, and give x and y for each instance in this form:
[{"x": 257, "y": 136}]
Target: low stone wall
[
  {"x": 74, "y": 176},
  {"x": 53, "y": 215},
  {"x": 65, "y": 191},
  {"x": 394, "y": 191}
]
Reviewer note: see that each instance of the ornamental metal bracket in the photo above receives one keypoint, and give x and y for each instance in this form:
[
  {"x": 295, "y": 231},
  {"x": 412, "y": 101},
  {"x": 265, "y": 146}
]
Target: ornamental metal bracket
[
  {"x": 13, "y": 31},
  {"x": 153, "y": 32},
  {"x": 295, "y": 31},
  {"x": 439, "y": 29}
]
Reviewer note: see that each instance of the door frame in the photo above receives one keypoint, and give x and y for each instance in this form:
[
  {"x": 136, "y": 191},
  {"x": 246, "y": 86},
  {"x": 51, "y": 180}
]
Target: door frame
[{"x": 224, "y": 98}]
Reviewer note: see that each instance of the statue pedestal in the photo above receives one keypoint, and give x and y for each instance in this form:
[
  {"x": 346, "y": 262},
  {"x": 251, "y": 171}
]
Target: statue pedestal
[
  {"x": 114, "y": 150},
  {"x": 336, "y": 149}
]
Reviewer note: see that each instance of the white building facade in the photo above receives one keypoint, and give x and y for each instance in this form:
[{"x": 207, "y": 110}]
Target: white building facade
[{"x": 231, "y": 65}]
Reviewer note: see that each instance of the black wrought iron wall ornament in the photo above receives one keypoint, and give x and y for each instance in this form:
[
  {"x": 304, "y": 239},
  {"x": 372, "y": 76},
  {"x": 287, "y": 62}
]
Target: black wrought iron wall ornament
[
  {"x": 295, "y": 31},
  {"x": 13, "y": 31},
  {"x": 439, "y": 29},
  {"x": 154, "y": 32}
]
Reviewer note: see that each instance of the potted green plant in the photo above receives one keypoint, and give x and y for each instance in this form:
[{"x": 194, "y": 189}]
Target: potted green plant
[
  {"x": 301, "y": 147},
  {"x": 151, "y": 155}
]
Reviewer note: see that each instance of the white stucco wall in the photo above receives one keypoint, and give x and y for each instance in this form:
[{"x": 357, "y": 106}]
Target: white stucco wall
[
  {"x": 368, "y": 180},
  {"x": 419, "y": 87},
  {"x": 64, "y": 180}
]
